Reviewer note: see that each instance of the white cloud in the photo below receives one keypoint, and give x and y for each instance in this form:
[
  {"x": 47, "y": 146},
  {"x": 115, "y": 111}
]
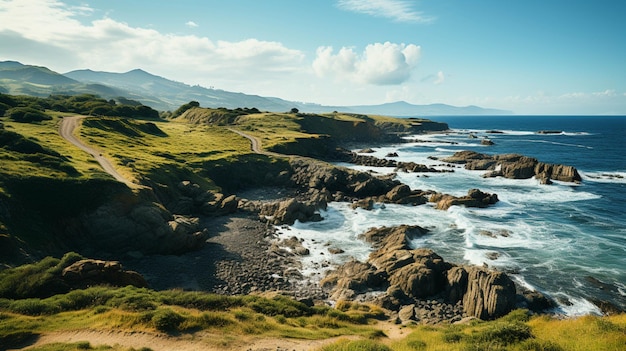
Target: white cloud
[
  {"x": 110, "y": 45},
  {"x": 191, "y": 24},
  {"x": 440, "y": 78},
  {"x": 397, "y": 10},
  {"x": 379, "y": 64}
]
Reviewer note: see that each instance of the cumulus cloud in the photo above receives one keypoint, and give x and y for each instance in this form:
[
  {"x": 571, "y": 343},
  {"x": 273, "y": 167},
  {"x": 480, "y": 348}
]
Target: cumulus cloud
[
  {"x": 379, "y": 64},
  {"x": 107, "y": 44},
  {"x": 440, "y": 78},
  {"x": 191, "y": 24},
  {"x": 397, "y": 10}
]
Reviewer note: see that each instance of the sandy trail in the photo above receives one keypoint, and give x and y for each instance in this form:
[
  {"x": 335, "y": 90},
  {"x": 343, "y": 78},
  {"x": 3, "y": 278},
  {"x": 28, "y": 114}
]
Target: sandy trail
[
  {"x": 193, "y": 342},
  {"x": 68, "y": 125},
  {"x": 255, "y": 144}
]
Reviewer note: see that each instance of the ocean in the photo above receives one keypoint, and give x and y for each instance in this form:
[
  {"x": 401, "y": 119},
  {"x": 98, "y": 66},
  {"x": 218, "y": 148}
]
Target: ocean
[{"x": 566, "y": 240}]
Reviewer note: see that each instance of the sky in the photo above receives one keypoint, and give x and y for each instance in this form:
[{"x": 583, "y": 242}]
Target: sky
[{"x": 526, "y": 56}]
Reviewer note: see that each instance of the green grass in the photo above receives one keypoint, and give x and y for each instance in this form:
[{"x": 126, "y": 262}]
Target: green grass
[
  {"x": 172, "y": 312},
  {"x": 46, "y": 134},
  {"x": 137, "y": 153}
]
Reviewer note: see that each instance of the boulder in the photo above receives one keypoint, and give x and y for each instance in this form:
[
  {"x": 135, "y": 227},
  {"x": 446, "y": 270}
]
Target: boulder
[
  {"x": 89, "y": 272},
  {"x": 388, "y": 239},
  {"x": 288, "y": 211},
  {"x": 398, "y": 192},
  {"x": 486, "y": 142},
  {"x": 474, "y": 198},
  {"x": 489, "y": 294},
  {"x": 422, "y": 278}
]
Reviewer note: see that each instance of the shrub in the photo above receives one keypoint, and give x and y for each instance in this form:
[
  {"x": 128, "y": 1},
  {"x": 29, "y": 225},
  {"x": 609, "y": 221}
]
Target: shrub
[
  {"x": 503, "y": 333},
  {"x": 34, "y": 307},
  {"x": 279, "y": 305},
  {"x": 416, "y": 345},
  {"x": 27, "y": 115},
  {"x": 166, "y": 320}
]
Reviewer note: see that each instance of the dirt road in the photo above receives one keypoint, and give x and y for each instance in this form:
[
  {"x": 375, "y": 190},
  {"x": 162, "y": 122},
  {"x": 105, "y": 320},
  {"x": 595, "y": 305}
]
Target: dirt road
[
  {"x": 255, "y": 144},
  {"x": 68, "y": 125}
]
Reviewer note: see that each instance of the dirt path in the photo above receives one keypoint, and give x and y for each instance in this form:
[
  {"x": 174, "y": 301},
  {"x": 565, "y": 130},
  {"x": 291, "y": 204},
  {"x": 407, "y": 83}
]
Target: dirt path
[
  {"x": 192, "y": 342},
  {"x": 255, "y": 144},
  {"x": 68, "y": 125}
]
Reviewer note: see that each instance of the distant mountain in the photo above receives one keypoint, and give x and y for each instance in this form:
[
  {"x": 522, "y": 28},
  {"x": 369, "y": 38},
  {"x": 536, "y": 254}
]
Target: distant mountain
[
  {"x": 164, "y": 94},
  {"x": 12, "y": 70},
  {"x": 167, "y": 95},
  {"x": 404, "y": 109},
  {"x": 20, "y": 79}
]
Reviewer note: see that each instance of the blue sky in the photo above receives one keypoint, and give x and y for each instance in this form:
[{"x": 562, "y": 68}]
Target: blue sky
[{"x": 531, "y": 57}]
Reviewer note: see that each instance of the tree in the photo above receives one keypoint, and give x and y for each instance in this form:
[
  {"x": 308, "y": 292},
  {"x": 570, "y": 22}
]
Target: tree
[{"x": 294, "y": 110}]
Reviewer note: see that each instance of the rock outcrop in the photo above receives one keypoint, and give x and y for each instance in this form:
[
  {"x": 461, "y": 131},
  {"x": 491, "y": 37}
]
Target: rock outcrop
[
  {"x": 90, "y": 272},
  {"x": 474, "y": 198},
  {"x": 146, "y": 227},
  {"x": 289, "y": 211},
  {"x": 515, "y": 166},
  {"x": 343, "y": 155},
  {"x": 410, "y": 276}
]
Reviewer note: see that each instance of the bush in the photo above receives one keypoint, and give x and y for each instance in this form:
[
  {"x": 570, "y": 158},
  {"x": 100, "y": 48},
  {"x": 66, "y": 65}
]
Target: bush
[
  {"x": 503, "y": 333},
  {"x": 279, "y": 305},
  {"x": 27, "y": 115},
  {"x": 166, "y": 320},
  {"x": 34, "y": 307}
]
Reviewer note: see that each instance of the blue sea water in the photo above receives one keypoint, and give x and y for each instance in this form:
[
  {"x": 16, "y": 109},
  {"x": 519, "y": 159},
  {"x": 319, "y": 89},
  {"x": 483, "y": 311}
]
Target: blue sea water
[{"x": 566, "y": 240}]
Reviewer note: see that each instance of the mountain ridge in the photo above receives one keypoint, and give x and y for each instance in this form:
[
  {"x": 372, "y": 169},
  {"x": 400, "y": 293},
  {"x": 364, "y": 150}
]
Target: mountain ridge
[{"x": 167, "y": 95}]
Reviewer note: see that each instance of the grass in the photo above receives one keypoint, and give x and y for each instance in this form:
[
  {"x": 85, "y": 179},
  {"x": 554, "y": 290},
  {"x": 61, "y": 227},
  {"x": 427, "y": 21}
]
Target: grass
[
  {"x": 46, "y": 134},
  {"x": 137, "y": 153},
  {"x": 174, "y": 312},
  {"x": 178, "y": 312}
]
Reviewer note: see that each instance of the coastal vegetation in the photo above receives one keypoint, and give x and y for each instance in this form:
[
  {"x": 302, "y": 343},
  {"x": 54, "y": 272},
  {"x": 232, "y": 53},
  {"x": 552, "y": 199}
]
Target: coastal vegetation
[{"x": 185, "y": 165}]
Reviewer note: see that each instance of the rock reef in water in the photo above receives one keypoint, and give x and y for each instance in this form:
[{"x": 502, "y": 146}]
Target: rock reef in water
[
  {"x": 515, "y": 166},
  {"x": 407, "y": 277}
]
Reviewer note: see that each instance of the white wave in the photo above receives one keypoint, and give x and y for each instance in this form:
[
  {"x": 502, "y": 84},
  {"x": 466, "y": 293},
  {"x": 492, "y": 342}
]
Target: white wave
[
  {"x": 621, "y": 288},
  {"x": 576, "y": 133},
  {"x": 618, "y": 177},
  {"x": 484, "y": 131},
  {"x": 576, "y": 306},
  {"x": 558, "y": 143},
  {"x": 555, "y": 193}
]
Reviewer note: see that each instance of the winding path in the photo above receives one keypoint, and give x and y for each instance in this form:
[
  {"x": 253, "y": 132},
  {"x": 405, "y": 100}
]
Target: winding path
[
  {"x": 255, "y": 144},
  {"x": 66, "y": 130}
]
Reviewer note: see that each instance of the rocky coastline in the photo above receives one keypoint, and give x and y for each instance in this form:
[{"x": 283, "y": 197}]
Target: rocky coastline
[{"x": 235, "y": 249}]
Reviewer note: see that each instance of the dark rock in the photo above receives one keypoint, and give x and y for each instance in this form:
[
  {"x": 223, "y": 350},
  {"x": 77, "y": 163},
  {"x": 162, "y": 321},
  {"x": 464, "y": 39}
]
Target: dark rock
[
  {"x": 398, "y": 192},
  {"x": 392, "y": 154},
  {"x": 487, "y": 142},
  {"x": 515, "y": 166},
  {"x": 489, "y": 294},
  {"x": 549, "y": 132},
  {"x": 89, "y": 272},
  {"x": 366, "y": 204},
  {"x": 474, "y": 198},
  {"x": 288, "y": 211},
  {"x": 407, "y": 314}
]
